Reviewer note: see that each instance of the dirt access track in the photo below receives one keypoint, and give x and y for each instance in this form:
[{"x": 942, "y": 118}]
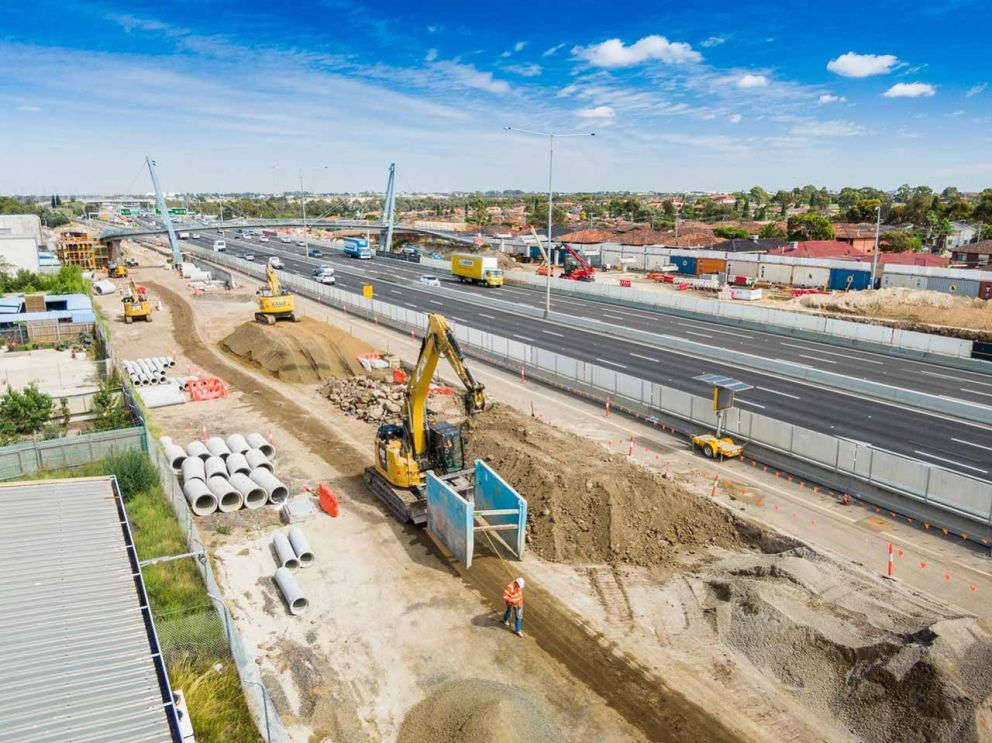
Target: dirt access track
[{"x": 560, "y": 650}]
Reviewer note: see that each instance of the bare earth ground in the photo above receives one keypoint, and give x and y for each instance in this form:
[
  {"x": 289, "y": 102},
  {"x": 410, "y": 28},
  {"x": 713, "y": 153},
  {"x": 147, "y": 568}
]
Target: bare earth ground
[{"x": 772, "y": 630}]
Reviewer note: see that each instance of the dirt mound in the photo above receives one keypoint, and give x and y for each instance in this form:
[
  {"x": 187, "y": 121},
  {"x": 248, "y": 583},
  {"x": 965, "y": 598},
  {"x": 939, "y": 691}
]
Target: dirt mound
[
  {"x": 585, "y": 505},
  {"x": 477, "y": 711},
  {"x": 307, "y": 351}
]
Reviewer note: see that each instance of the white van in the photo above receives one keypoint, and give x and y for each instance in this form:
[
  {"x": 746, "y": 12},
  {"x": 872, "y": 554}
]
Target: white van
[
  {"x": 219, "y": 246},
  {"x": 275, "y": 262},
  {"x": 324, "y": 274}
]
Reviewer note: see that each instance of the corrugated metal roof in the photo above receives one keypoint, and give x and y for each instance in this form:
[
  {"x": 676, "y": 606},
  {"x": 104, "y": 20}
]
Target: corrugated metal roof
[
  {"x": 79, "y": 656},
  {"x": 72, "y": 301}
]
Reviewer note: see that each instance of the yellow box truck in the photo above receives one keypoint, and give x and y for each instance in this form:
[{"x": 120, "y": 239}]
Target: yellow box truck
[{"x": 477, "y": 269}]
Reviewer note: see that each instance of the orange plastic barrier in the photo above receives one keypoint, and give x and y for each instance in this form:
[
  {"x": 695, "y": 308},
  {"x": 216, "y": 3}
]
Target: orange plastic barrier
[
  {"x": 328, "y": 501},
  {"x": 207, "y": 388}
]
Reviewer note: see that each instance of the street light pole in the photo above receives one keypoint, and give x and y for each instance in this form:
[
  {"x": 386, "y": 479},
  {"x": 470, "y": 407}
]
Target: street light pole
[
  {"x": 303, "y": 200},
  {"x": 874, "y": 257},
  {"x": 552, "y": 255}
]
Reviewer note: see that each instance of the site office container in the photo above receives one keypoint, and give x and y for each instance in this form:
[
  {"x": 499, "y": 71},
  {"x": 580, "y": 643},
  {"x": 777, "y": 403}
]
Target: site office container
[
  {"x": 985, "y": 289},
  {"x": 685, "y": 264},
  {"x": 950, "y": 285},
  {"x": 775, "y": 273},
  {"x": 895, "y": 279},
  {"x": 739, "y": 267},
  {"x": 849, "y": 279},
  {"x": 710, "y": 265},
  {"x": 811, "y": 277}
]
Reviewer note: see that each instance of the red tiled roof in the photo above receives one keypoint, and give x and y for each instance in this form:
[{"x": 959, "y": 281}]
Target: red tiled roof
[
  {"x": 695, "y": 240},
  {"x": 647, "y": 237},
  {"x": 852, "y": 231},
  {"x": 983, "y": 247},
  {"x": 587, "y": 237},
  {"x": 820, "y": 249}
]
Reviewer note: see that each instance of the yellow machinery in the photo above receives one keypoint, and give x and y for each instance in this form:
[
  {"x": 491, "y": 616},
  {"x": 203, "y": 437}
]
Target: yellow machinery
[
  {"x": 711, "y": 446},
  {"x": 405, "y": 452},
  {"x": 136, "y": 305},
  {"x": 116, "y": 270},
  {"x": 274, "y": 302}
]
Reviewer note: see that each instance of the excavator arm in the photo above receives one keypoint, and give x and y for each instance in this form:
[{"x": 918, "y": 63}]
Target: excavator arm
[
  {"x": 272, "y": 279},
  {"x": 438, "y": 341}
]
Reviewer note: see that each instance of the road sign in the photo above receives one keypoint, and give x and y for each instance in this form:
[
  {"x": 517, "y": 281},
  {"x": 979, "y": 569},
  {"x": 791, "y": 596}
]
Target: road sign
[
  {"x": 367, "y": 291},
  {"x": 175, "y": 212},
  {"x": 129, "y": 212}
]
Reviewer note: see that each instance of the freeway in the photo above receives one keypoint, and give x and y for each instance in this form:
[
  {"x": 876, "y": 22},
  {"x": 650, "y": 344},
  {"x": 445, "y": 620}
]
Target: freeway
[{"x": 928, "y": 437}]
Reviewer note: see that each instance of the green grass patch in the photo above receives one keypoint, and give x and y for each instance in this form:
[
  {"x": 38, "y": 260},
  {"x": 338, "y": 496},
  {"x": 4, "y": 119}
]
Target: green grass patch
[{"x": 215, "y": 699}]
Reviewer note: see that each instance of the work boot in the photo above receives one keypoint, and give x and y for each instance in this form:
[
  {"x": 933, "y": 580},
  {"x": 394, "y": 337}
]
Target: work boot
[{"x": 519, "y": 634}]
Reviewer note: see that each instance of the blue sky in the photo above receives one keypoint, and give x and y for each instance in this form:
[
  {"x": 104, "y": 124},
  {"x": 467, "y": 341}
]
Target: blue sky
[{"x": 706, "y": 95}]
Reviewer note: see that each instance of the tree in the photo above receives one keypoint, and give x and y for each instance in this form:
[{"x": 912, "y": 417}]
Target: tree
[
  {"x": 772, "y": 231},
  {"x": 479, "y": 214},
  {"x": 810, "y": 227},
  {"x": 897, "y": 241},
  {"x": 53, "y": 202},
  {"x": 668, "y": 207},
  {"x": 848, "y": 197},
  {"x": 23, "y": 413},
  {"x": 108, "y": 406},
  {"x": 746, "y": 211},
  {"x": 731, "y": 233},
  {"x": 863, "y": 210},
  {"x": 759, "y": 195},
  {"x": 58, "y": 201}
]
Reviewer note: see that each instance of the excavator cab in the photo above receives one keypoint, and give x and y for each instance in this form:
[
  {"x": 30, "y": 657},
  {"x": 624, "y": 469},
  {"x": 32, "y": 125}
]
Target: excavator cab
[
  {"x": 446, "y": 450},
  {"x": 116, "y": 270}
]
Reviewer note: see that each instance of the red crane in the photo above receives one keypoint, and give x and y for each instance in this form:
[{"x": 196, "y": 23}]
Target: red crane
[{"x": 580, "y": 270}]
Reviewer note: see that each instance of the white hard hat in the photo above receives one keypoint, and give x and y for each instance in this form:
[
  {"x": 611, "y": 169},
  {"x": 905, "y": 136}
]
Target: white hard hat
[{"x": 519, "y": 582}]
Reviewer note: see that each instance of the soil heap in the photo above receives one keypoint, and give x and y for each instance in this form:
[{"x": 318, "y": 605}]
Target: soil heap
[
  {"x": 307, "y": 351},
  {"x": 477, "y": 711},
  {"x": 585, "y": 505},
  {"x": 375, "y": 400}
]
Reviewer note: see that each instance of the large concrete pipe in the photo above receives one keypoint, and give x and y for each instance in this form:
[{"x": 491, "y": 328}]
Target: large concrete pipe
[
  {"x": 197, "y": 449},
  {"x": 298, "y": 541},
  {"x": 193, "y": 469},
  {"x": 256, "y": 458},
  {"x": 253, "y": 494},
  {"x": 276, "y": 491},
  {"x": 237, "y": 443},
  {"x": 237, "y": 463},
  {"x": 284, "y": 553},
  {"x": 175, "y": 454},
  {"x": 202, "y": 501},
  {"x": 215, "y": 467},
  {"x": 291, "y": 592},
  {"x": 258, "y": 441},
  {"x": 218, "y": 447},
  {"x": 228, "y": 498}
]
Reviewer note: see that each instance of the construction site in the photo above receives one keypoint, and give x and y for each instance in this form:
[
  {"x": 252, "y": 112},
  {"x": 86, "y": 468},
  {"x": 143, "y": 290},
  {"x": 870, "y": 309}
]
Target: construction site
[{"x": 666, "y": 600}]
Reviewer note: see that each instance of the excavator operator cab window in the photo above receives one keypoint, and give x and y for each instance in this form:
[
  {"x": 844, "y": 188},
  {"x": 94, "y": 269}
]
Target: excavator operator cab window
[{"x": 446, "y": 447}]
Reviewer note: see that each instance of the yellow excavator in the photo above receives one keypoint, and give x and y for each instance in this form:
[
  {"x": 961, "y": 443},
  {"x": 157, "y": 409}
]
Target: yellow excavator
[
  {"x": 136, "y": 305},
  {"x": 405, "y": 452},
  {"x": 116, "y": 270},
  {"x": 274, "y": 302}
]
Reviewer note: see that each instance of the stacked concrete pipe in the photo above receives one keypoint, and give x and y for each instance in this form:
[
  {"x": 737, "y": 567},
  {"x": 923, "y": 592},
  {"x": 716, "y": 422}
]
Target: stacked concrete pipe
[
  {"x": 285, "y": 555},
  {"x": 257, "y": 460},
  {"x": 236, "y": 463},
  {"x": 197, "y": 449},
  {"x": 298, "y": 541},
  {"x": 228, "y": 497},
  {"x": 215, "y": 467},
  {"x": 253, "y": 495},
  {"x": 193, "y": 469},
  {"x": 276, "y": 491},
  {"x": 291, "y": 592},
  {"x": 175, "y": 454},
  {"x": 237, "y": 443},
  {"x": 218, "y": 447},
  {"x": 201, "y": 499},
  {"x": 258, "y": 441}
]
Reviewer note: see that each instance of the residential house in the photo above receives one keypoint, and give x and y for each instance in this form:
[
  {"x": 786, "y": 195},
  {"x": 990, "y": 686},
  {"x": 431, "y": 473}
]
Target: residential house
[
  {"x": 973, "y": 254},
  {"x": 860, "y": 236},
  {"x": 963, "y": 233},
  {"x": 820, "y": 249}
]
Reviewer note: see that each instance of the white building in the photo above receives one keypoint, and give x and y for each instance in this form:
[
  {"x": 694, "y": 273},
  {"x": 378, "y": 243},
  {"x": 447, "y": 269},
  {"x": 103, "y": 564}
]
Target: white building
[
  {"x": 20, "y": 239},
  {"x": 963, "y": 234}
]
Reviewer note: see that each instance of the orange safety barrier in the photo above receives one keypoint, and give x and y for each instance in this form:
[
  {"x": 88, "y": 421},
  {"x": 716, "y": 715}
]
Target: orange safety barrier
[
  {"x": 207, "y": 388},
  {"x": 328, "y": 501},
  {"x": 399, "y": 376}
]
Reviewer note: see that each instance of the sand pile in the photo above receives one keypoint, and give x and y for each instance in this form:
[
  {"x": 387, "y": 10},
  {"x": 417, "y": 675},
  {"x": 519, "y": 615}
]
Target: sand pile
[
  {"x": 477, "y": 711},
  {"x": 586, "y": 505},
  {"x": 307, "y": 351}
]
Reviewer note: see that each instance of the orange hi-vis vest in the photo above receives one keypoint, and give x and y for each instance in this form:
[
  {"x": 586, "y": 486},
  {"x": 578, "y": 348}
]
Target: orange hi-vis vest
[{"x": 513, "y": 595}]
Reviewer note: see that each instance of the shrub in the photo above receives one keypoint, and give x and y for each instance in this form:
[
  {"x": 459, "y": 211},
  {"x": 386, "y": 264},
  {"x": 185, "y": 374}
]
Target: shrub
[{"x": 134, "y": 471}]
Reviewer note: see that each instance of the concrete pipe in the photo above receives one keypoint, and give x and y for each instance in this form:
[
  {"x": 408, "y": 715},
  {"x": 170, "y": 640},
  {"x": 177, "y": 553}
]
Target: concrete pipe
[
  {"x": 256, "y": 458},
  {"x": 197, "y": 449},
  {"x": 146, "y": 368},
  {"x": 236, "y": 463},
  {"x": 175, "y": 454},
  {"x": 284, "y": 553},
  {"x": 277, "y": 492},
  {"x": 291, "y": 592},
  {"x": 193, "y": 469},
  {"x": 218, "y": 447},
  {"x": 301, "y": 547},
  {"x": 228, "y": 498},
  {"x": 163, "y": 362},
  {"x": 215, "y": 467},
  {"x": 253, "y": 494},
  {"x": 202, "y": 501},
  {"x": 258, "y": 441},
  {"x": 237, "y": 443}
]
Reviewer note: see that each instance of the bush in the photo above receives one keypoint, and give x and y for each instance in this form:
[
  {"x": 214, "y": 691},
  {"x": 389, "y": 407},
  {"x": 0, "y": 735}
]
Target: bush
[
  {"x": 731, "y": 233},
  {"x": 23, "y": 413},
  {"x": 134, "y": 471}
]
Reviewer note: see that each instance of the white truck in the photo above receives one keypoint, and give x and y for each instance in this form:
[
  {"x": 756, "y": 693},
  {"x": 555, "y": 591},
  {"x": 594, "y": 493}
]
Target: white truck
[
  {"x": 219, "y": 246},
  {"x": 324, "y": 274}
]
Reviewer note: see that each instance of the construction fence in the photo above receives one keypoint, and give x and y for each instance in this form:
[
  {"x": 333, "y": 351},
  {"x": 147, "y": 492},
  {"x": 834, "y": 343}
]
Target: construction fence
[
  {"x": 26, "y": 460},
  {"x": 921, "y": 483}
]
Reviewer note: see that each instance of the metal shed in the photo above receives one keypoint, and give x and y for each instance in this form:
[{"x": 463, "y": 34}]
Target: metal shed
[{"x": 81, "y": 661}]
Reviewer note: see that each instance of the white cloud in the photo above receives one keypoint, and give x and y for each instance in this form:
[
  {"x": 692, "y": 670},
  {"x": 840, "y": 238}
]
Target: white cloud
[
  {"x": 431, "y": 55},
  {"x": 471, "y": 77},
  {"x": 433, "y": 29},
  {"x": 525, "y": 70},
  {"x": 568, "y": 90},
  {"x": 599, "y": 112},
  {"x": 614, "y": 53},
  {"x": 862, "y": 65},
  {"x": 828, "y": 129},
  {"x": 828, "y": 98},
  {"x": 711, "y": 42},
  {"x": 29, "y": 109},
  {"x": 553, "y": 50},
  {"x": 736, "y": 118},
  {"x": 910, "y": 90},
  {"x": 753, "y": 81},
  {"x": 504, "y": 55},
  {"x": 519, "y": 46},
  {"x": 975, "y": 90}
]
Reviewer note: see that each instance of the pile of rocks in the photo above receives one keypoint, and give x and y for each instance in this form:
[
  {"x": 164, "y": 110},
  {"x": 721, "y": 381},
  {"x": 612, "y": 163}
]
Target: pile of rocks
[{"x": 367, "y": 399}]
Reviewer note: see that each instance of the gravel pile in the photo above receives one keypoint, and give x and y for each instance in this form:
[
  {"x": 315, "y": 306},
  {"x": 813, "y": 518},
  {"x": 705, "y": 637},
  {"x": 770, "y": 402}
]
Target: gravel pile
[{"x": 366, "y": 399}]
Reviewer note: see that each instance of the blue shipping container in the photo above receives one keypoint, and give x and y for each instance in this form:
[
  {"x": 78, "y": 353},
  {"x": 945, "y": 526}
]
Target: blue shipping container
[
  {"x": 847, "y": 279},
  {"x": 685, "y": 263}
]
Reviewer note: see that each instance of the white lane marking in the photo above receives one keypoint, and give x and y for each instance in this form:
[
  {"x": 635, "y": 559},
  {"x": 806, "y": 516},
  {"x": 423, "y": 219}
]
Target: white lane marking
[
  {"x": 776, "y": 392},
  {"x": 976, "y": 392},
  {"x": 949, "y": 461},
  {"x": 701, "y": 335},
  {"x": 748, "y": 402},
  {"x": 646, "y": 358},
  {"x": 611, "y": 363},
  {"x": 714, "y": 330},
  {"x": 959, "y": 379},
  {"x": 615, "y": 317},
  {"x": 394, "y": 291},
  {"x": 833, "y": 353},
  {"x": 410, "y": 305},
  {"x": 794, "y": 363},
  {"x": 523, "y": 337},
  {"x": 972, "y": 443},
  {"x": 491, "y": 317},
  {"x": 439, "y": 304},
  {"x": 550, "y": 332},
  {"x": 456, "y": 319},
  {"x": 816, "y": 358}
]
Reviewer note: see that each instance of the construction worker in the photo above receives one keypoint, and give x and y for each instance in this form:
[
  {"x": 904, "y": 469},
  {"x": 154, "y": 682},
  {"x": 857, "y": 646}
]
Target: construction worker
[{"x": 513, "y": 595}]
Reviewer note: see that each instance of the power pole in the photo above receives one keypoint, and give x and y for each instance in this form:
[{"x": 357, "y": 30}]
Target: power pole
[
  {"x": 388, "y": 207},
  {"x": 177, "y": 257}
]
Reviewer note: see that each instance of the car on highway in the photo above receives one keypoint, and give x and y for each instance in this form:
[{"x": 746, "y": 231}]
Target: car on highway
[
  {"x": 249, "y": 256},
  {"x": 429, "y": 280},
  {"x": 285, "y": 239},
  {"x": 263, "y": 239},
  {"x": 246, "y": 236},
  {"x": 324, "y": 274},
  {"x": 131, "y": 262},
  {"x": 275, "y": 262},
  {"x": 195, "y": 235},
  {"x": 315, "y": 253},
  {"x": 301, "y": 243}
]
